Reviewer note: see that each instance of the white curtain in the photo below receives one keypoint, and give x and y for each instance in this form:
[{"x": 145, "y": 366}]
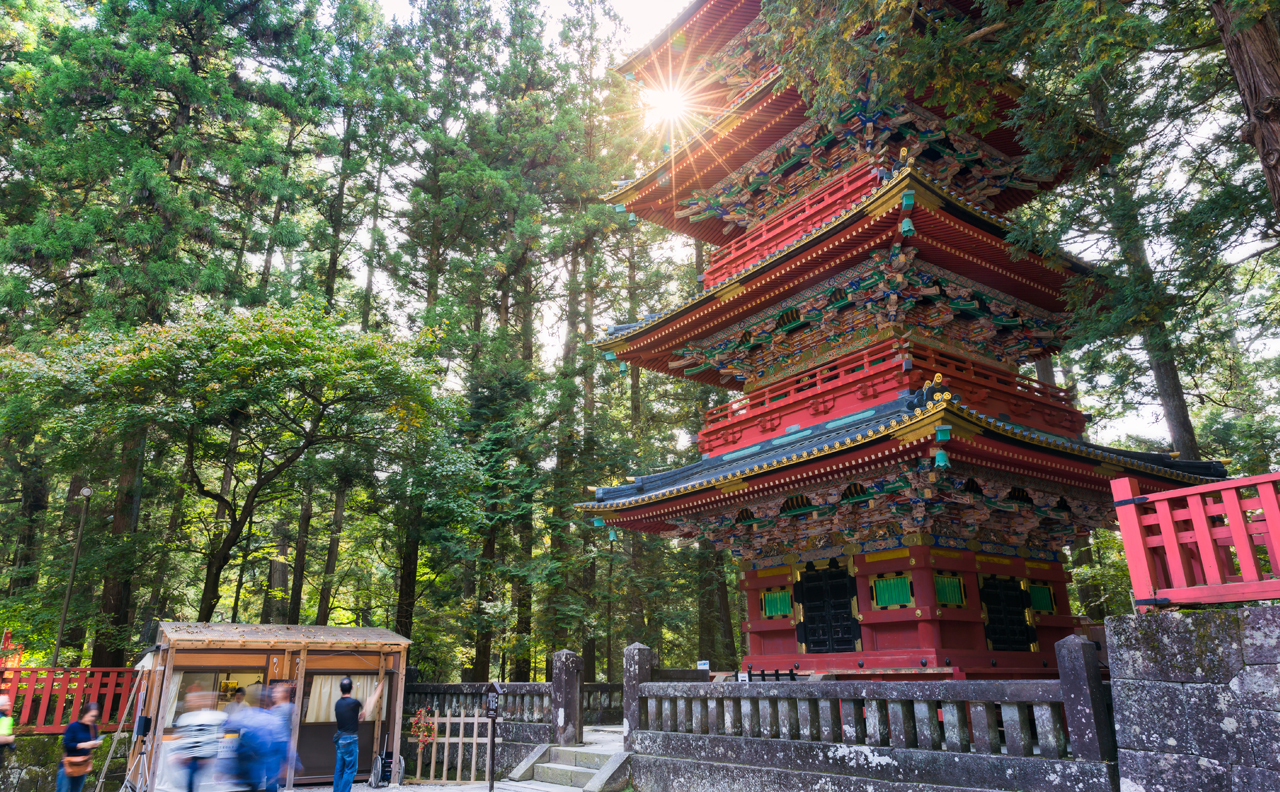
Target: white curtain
[
  {"x": 175, "y": 696},
  {"x": 325, "y": 693}
]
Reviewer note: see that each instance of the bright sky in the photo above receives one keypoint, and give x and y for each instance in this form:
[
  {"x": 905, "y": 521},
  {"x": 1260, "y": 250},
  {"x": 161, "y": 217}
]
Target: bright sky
[{"x": 643, "y": 18}]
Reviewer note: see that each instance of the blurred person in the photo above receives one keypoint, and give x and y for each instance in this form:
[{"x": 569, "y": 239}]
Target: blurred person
[
  {"x": 282, "y": 710},
  {"x": 201, "y": 728},
  {"x": 348, "y": 712},
  {"x": 78, "y": 742},
  {"x": 236, "y": 703},
  {"x": 6, "y": 727},
  {"x": 258, "y": 757}
]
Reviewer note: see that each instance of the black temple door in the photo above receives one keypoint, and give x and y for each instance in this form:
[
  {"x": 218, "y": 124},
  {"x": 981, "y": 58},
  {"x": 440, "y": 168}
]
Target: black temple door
[
  {"x": 829, "y": 625},
  {"x": 1006, "y": 604}
]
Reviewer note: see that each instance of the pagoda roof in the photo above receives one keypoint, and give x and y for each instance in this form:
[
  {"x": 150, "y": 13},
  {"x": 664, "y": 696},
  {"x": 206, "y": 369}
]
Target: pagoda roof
[
  {"x": 952, "y": 233},
  {"x": 889, "y": 431},
  {"x": 707, "y": 24},
  {"x": 758, "y": 118}
]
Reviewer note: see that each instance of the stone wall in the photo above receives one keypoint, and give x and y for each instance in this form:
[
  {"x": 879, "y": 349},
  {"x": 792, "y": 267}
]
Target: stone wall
[
  {"x": 1197, "y": 700},
  {"x": 32, "y": 766}
]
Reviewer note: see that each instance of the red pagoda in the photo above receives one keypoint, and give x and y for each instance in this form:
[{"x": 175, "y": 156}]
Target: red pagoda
[{"x": 897, "y": 494}]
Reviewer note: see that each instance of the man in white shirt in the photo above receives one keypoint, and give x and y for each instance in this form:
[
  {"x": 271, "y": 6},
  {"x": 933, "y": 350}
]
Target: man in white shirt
[{"x": 201, "y": 730}]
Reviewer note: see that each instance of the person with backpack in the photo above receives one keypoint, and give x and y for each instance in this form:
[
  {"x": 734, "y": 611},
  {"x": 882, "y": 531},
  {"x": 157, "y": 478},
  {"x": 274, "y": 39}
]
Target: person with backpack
[{"x": 78, "y": 742}]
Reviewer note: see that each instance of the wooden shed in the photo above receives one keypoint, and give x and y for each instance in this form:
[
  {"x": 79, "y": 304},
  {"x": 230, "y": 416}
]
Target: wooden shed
[{"x": 221, "y": 658}]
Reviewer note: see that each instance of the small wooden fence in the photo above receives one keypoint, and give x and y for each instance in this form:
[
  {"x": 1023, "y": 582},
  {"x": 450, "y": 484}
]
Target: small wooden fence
[
  {"x": 45, "y": 700},
  {"x": 1208, "y": 544},
  {"x": 455, "y": 715}
]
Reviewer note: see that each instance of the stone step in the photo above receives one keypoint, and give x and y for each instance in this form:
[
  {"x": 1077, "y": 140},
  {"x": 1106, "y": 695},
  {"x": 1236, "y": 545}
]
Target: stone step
[
  {"x": 581, "y": 757},
  {"x": 543, "y": 786},
  {"x": 565, "y": 774}
]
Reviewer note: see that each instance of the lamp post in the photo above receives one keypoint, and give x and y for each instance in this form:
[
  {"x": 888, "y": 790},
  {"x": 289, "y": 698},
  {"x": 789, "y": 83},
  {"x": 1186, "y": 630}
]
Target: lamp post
[{"x": 85, "y": 493}]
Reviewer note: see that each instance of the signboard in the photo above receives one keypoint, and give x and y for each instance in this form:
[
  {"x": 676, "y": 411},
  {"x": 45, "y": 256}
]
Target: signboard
[
  {"x": 491, "y": 695},
  {"x": 704, "y": 665}
]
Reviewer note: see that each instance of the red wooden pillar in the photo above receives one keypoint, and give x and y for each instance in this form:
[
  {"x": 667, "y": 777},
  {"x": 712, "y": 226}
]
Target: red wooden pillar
[{"x": 1137, "y": 554}]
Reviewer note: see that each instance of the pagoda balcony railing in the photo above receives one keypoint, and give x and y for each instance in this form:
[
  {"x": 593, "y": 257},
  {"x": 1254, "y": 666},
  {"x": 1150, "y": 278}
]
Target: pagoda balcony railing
[
  {"x": 862, "y": 378},
  {"x": 789, "y": 225},
  {"x": 972, "y": 378},
  {"x": 1201, "y": 545}
]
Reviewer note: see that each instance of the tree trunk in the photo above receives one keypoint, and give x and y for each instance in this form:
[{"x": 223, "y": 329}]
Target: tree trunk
[
  {"x": 300, "y": 559},
  {"x": 76, "y": 634},
  {"x": 729, "y": 652},
  {"x": 110, "y": 640},
  {"x": 244, "y": 562},
  {"x": 1156, "y": 341},
  {"x": 707, "y": 602},
  {"x": 219, "y": 556},
  {"x": 522, "y": 597},
  {"x": 331, "y": 560},
  {"x": 337, "y": 213},
  {"x": 1253, "y": 50},
  {"x": 1160, "y": 356},
  {"x": 1044, "y": 371},
  {"x": 151, "y": 618},
  {"x": 275, "y": 600},
  {"x": 366, "y": 305},
  {"x": 484, "y": 595},
  {"x": 265, "y": 278},
  {"x": 407, "y": 594},
  {"x": 33, "y": 502}
]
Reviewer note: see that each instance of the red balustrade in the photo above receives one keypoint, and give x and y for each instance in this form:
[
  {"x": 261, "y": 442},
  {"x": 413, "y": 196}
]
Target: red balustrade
[
  {"x": 816, "y": 393},
  {"x": 1213, "y": 543},
  {"x": 866, "y": 378},
  {"x": 993, "y": 391},
  {"x": 787, "y": 226},
  {"x": 45, "y": 700}
]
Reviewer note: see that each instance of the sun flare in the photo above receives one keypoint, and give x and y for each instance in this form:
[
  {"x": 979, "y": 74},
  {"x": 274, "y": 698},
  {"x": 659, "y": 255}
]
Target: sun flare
[{"x": 666, "y": 107}]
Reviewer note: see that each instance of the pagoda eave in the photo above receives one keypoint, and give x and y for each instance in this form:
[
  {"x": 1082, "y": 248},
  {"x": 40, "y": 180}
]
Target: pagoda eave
[
  {"x": 966, "y": 437},
  {"x": 946, "y": 234}
]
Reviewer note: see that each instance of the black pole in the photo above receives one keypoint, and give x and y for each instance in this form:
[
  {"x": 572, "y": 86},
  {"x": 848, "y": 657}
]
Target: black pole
[{"x": 86, "y": 493}]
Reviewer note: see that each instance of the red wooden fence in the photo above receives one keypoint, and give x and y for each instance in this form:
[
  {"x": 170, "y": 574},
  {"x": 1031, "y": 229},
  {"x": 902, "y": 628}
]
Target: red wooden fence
[
  {"x": 1208, "y": 544},
  {"x": 45, "y": 700}
]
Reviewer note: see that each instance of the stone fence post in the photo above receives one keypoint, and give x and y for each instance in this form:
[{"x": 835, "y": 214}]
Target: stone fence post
[
  {"x": 566, "y": 697},
  {"x": 1084, "y": 700},
  {"x": 638, "y": 661}
]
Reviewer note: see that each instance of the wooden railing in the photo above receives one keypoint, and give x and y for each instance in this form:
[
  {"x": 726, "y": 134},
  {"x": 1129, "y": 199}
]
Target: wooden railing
[
  {"x": 45, "y": 700},
  {"x": 1213, "y": 543},
  {"x": 1008, "y": 734},
  {"x": 786, "y": 227},
  {"x": 869, "y": 372},
  {"x": 520, "y": 702},
  {"x": 970, "y": 373}
]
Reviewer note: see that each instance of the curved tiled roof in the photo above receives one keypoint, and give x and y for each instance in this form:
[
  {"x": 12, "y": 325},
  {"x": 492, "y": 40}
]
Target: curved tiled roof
[{"x": 885, "y": 420}]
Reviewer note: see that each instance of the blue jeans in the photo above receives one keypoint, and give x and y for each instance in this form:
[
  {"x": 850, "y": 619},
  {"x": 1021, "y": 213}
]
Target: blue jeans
[
  {"x": 344, "y": 772},
  {"x": 68, "y": 783}
]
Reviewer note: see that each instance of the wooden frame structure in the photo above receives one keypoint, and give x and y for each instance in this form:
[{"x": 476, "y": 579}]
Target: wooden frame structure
[
  {"x": 1201, "y": 544},
  {"x": 278, "y": 653}
]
